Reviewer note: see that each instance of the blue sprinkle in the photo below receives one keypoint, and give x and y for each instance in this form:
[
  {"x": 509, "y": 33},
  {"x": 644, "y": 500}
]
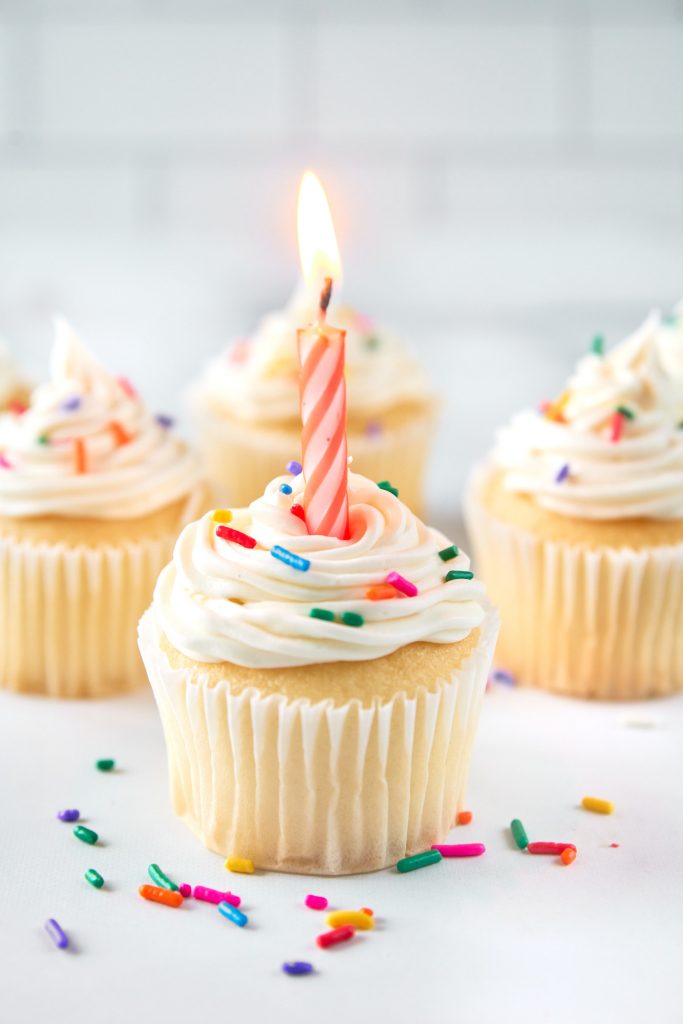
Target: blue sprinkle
[
  {"x": 233, "y": 914},
  {"x": 294, "y": 467},
  {"x": 297, "y": 967},
  {"x": 71, "y": 404},
  {"x": 285, "y": 488},
  {"x": 563, "y": 473},
  {"x": 69, "y": 815},
  {"x": 165, "y": 421},
  {"x": 295, "y": 561},
  {"x": 499, "y": 675}
]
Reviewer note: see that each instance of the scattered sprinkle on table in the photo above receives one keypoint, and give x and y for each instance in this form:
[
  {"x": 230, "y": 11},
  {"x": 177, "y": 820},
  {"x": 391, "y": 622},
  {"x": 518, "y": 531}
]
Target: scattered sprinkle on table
[
  {"x": 352, "y": 618},
  {"x": 336, "y": 936},
  {"x": 69, "y": 815},
  {"x": 86, "y": 835},
  {"x": 562, "y": 474},
  {"x": 233, "y": 914},
  {"x": 550, "y": 849},
  {"x": 460, "y": 849},
  {"x": 105, "y": 764},
  {"x": 293, "y": 467},
  {"x": 236, "y": 536},
  {"x": 404, "y": 586},
  {"x": 418, "y": 860},
  {"x": 316, "y": 902},
  {"x": 221, "y": 515},
  {"x": 464, "y": 817},
  {"x": 241, "y": 865},
  {"x": 297, "y": 967},
  {"x": 159, "y": 878},
  {"x": 322, "y": 613},
  {"x": 452, "y": 551},
  {"x": 458, "y": 574},
  {"x": 368, "y": 910},
  {"x": 355, "y": 918},
  {"x": 57, "y": 933},
  {"x": 202, "y": 892},
  {"x": 185, "y": 890},
  {"x": 614, "y": 846},
  {"x": 596, "y": 804},
  {"x": 519, "y": 833},
  {"x": 154, "y": 893},
  {"x": 94, "y": 877},
  {"x": 290, "y": 559},
  {"x": 384, "y": 485},
  {"x": 568, "y": 856}
]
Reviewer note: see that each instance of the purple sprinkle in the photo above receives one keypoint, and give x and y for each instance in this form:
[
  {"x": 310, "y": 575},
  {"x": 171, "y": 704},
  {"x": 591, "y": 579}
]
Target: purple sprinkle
[
  {"x": 71, "y": 404},
  {"x": 56, "y": 933},
  {"x": 297, "y": 967},
  {"x": 70, "y": 815},
  {"x": 373, "y": 429},
  {"x": 165, "y": 421},
  {"x": 499, "y": 675},
  {"x": 294, "y": 467},
  {"x": 562, "y": 474}
]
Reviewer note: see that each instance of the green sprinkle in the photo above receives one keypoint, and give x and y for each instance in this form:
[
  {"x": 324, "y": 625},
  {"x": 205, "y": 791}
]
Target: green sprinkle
[
  {"x": 670, "y": 319},
  {"x": 450, "y": 552},
  {"x": 352, "y": 619},
  {"x": 94, "y": 877},
  {"x": 386, "y": 486},
  {"x": 626, "y": 412},
  {"x": 418, "y": 860},
  {"x": 105, "y": 764},
  {"x": 322, "y": 613},
  {"x": 42, "y": 439},
  {"x": 458, "y": 574},
  {"x": 372, "y": 342},
  {"x": 519, "y": 833},
  {"x": 598, "y": 345},
  {"x": 86, "y": 835},
  {"x": 159, "y": 878}
]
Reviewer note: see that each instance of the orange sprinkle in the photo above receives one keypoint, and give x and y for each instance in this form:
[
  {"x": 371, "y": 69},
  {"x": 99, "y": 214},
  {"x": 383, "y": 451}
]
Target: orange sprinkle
[
  {"x": 568, "y": 856},
  {"x": 555, "y": 410},
  {"x": 382, "y": 592},
  {"x": 121, "y": 435},
  {"x": 156, "y": 894},
  {"x": 464, "y": 817},
  {"x": 80, "y": 459},
  {"x": 368, "y": 911}
]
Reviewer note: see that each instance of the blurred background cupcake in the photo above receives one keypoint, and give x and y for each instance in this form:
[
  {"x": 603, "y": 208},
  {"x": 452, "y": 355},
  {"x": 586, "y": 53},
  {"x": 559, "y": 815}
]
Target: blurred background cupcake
[
  {"x": 93, "y": 490},
  {"x": 246, "y": 405},
  {"x": 577, "y": 525}
]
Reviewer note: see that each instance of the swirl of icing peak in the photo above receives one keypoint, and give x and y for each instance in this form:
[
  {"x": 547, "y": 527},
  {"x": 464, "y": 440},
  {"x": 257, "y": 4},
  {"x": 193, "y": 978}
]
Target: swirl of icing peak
[
  {"x": 578, "y": 461},
  {"x": 256, "y": 381},
  {"x": 219, "y": 601},
  {"x": 87, "y": 447}
]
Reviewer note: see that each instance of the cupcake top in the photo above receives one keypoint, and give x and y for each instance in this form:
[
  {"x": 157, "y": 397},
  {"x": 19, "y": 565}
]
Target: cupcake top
[
  {"x": 86, "y": 446},
  {"x": 11, "y": 382},
  {"x": 257, "y": 379},
  {"x": 611, "y": 446},
  {"x": 261, "y": 592}
]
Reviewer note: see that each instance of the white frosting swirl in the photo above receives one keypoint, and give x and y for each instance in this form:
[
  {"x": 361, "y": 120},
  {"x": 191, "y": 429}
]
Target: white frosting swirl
[
  {"x": 638, "y": 475},
  {"x": 219, "y": 601},
  {"x": 82, "y": 403},
  {"x": 11, "y": 383},
  {"x": 257, "y": 380}
]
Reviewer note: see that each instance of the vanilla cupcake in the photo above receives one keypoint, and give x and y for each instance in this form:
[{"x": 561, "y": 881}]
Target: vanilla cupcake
[
  {"x": 577, "y": 526},
  {"x": 317, "y": 719},
  {"x": 246, "y": 407},
  {"x": 93, "y": 491}
]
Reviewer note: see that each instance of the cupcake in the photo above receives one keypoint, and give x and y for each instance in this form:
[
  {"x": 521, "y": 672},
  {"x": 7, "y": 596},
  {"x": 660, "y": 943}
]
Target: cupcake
[
  {"x": 14, "y": 390},
  {"x": 93, "y": 491},
  {"x": 577, "y": 525},
  {"x": 246, "y": 407},
  {"x": 317, "y": 718}
]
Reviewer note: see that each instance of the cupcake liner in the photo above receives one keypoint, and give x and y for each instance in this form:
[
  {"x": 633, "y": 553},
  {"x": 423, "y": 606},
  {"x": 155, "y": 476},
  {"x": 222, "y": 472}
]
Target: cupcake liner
[
  {"x": 603, "y": 623},
  {"x": 240, "y": 459},
  {"x": 68, "y": 616},
  {"x": 315, "y": 788}
]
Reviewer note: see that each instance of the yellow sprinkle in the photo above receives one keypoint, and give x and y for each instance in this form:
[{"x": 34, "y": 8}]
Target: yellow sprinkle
[
  {"x": 594, "y": 803},
  {"x": 240, "y": 864},
  {"x": 222, "y": 515},
  {"x": 356, "y": 918}
]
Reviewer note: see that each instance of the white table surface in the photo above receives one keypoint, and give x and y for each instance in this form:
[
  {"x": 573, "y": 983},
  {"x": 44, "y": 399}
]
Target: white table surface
[{"x": 506, "y": 937}]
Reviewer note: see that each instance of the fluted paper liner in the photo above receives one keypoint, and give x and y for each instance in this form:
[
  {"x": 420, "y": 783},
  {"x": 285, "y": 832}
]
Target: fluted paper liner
[
  {"x": 604, "y": 623},
  {"x": 314, "y": 788},
  {"x": 69, "y": 615}
]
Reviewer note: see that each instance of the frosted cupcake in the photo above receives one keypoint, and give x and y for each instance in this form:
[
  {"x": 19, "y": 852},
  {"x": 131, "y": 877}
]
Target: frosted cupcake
[
  {"x": 317, "y": 719},
  {"x": 246, "y": 407},
  {"x": 93, "y": 491},
  {"x": 577, "y": 525}
]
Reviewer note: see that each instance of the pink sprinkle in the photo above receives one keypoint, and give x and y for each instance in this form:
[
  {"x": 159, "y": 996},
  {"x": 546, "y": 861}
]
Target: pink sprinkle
[
  {"x": 460, "y": 849},
  {"x": 316, "y": 902},
  {"x": 127, "y": 387},
  {"x": 4, "y": 464},
  {"x": 185, "y": 890},
  {"x": 402, "y": 584},
  {"x": 201, "y": 892}
]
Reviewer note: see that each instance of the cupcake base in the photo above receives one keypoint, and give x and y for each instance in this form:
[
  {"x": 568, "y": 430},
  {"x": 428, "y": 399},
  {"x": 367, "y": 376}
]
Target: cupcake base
[
  {"x": 588, "y": 609},
  {"x": 340, "y": 785}
]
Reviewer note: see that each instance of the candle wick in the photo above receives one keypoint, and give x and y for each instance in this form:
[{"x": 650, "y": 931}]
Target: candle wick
[{"x": 325, "y": 296}]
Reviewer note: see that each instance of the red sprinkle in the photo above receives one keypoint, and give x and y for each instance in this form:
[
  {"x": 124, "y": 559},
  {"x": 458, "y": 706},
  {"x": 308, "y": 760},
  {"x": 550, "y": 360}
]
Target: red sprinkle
[
  {"x": 464, "y": 817},
  {"x": 337, "y": 935},
  {"x": 298, "y": 511},
  {"x": 617, "y": 426},
  {"x": 614, "y": 846},
  {"x": 550, "y": 848},
  {"x": 227, "y": 533}
]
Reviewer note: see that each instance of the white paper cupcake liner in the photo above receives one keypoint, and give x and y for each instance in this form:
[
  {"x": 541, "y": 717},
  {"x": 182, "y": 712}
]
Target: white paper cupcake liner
[
  {"x": 604, "y": 623},
  {"x": 314, "y": 788}
]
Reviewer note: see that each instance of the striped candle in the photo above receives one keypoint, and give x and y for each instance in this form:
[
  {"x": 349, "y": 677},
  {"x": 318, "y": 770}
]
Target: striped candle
[{"x": 322, "y": 391}]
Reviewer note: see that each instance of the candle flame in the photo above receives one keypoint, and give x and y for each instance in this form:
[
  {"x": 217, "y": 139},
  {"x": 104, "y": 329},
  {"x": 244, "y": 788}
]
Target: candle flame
[{"x": 318, "y": 249}]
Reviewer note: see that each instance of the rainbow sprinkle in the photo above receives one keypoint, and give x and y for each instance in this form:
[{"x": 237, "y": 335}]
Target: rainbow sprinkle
[{"x": 289, "y": 558}]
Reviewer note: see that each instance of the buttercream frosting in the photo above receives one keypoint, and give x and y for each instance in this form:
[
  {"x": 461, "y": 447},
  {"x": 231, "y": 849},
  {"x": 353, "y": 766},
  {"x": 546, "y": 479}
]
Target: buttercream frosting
[
  {"x": 220, "y": 601},
  {"x": 88, "y": 447},
  {"x": 578, "y": 461}
]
